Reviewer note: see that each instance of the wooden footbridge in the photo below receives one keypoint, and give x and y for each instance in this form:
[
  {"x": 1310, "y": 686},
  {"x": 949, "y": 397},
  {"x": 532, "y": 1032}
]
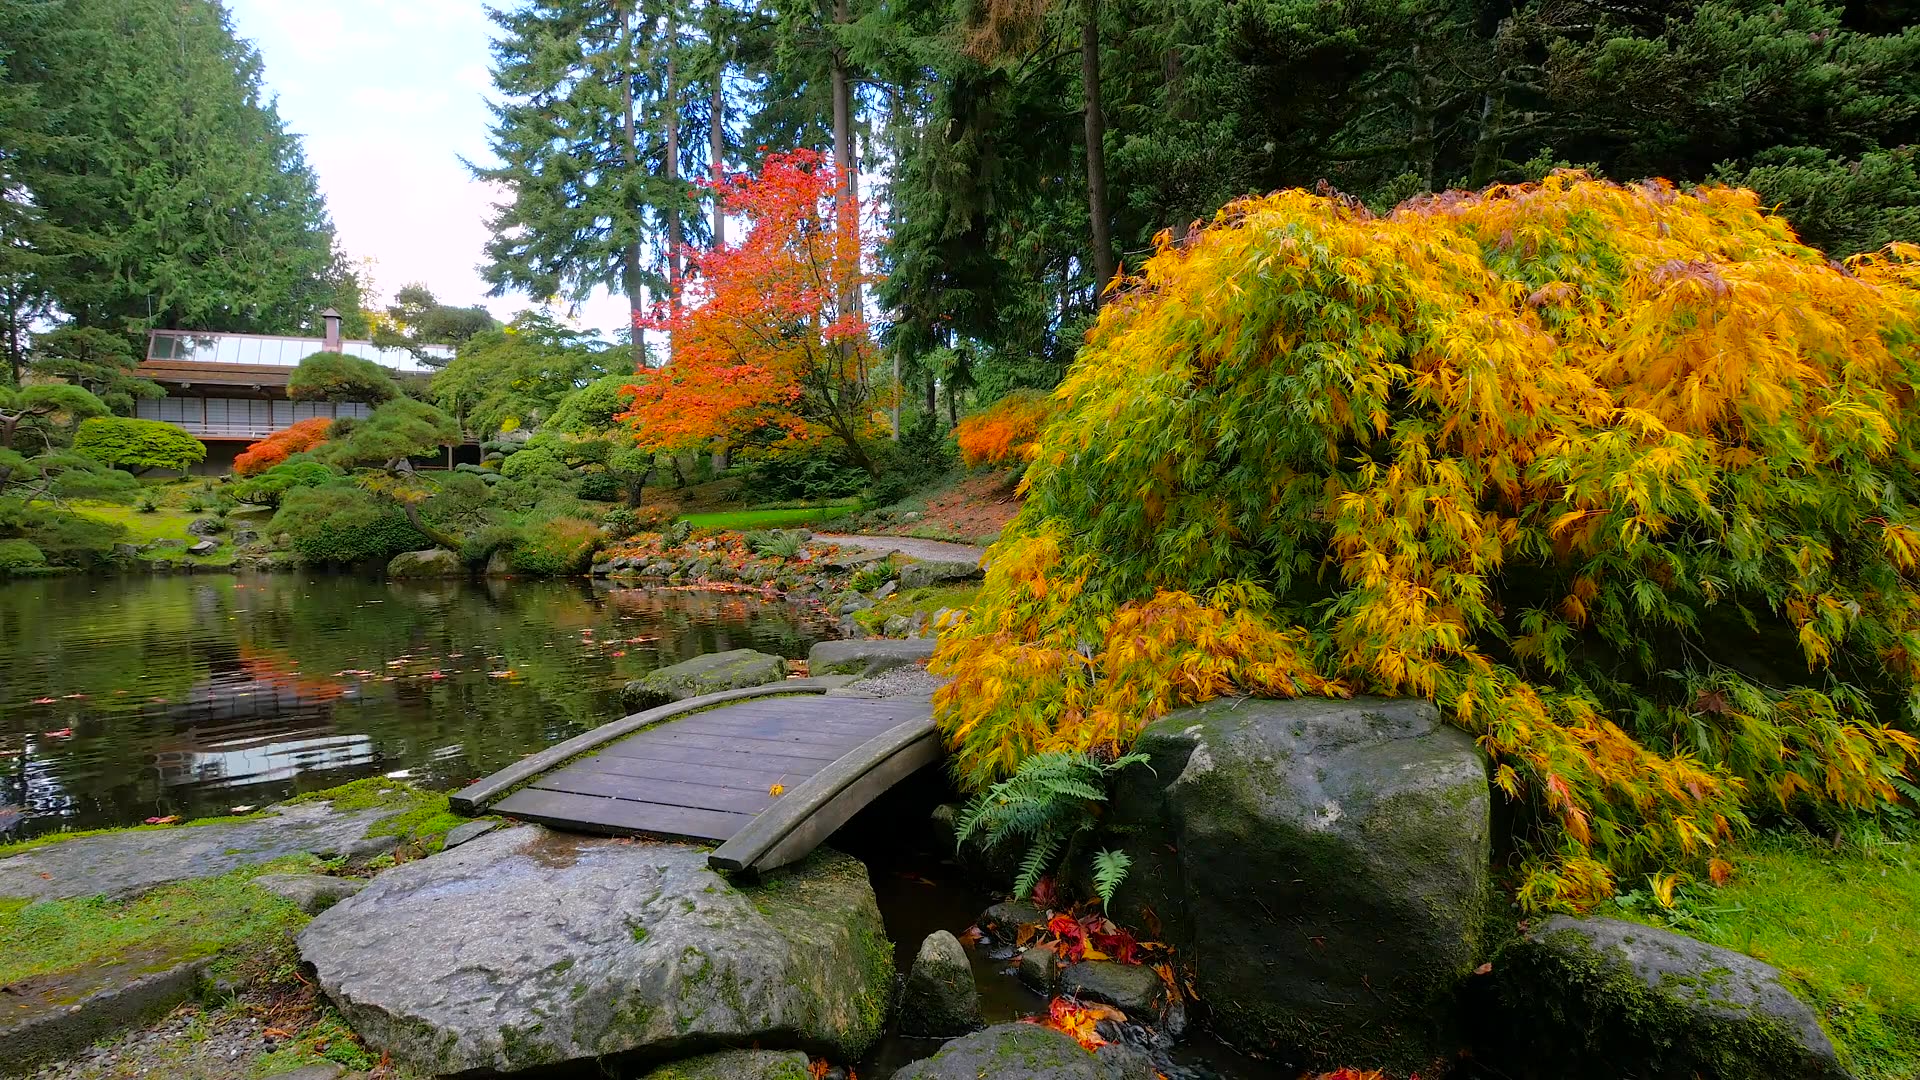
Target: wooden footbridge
[{"x": 767, "y": 773}]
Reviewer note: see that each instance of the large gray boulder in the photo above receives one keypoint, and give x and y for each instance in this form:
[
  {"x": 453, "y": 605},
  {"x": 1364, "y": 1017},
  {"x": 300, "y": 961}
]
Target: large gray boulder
[
  {"x": 919, "y": 575},
  {"x": 940, "y": 999},
  {"x": 526, "y": 947},
  {"x": 867, "y": 656},
  {"x": 1588, "y": 999},
  {"x": 1026, "y": 1052},
  {"x": 433, "y": 562},
  {"x": 1324, "y": 865},
  {"x": 709, "y": 674}
]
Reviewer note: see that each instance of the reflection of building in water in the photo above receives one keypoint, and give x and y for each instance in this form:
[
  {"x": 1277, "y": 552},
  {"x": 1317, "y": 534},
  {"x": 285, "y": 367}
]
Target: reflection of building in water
[{"x": 229, "y": 733}]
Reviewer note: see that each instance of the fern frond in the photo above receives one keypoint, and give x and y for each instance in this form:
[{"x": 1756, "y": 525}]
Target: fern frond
[
  {"x": 1109, "y": 870},
  {"x": 1034, "y": 866}
]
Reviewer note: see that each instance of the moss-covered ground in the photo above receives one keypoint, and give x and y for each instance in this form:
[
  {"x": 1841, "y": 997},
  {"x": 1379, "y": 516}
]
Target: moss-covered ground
[
  {"x": 779, "y": 518},
  {"x": 247, "y": 931},
  {"x": 1841, "y": 921},
  {"x": 170, "y": 523},
  {"x": 925, "y": 601}
]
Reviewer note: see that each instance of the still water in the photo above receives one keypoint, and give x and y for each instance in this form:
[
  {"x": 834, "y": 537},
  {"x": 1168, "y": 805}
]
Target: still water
[{"x": 123, "y": 699}]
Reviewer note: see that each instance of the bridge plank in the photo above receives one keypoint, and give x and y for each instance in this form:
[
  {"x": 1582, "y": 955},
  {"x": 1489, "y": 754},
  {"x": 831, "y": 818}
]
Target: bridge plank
[
  {"x": 639, "y": 770},
  {"x": 664, "y": 792},
  {"x": 593, "y": 813}
]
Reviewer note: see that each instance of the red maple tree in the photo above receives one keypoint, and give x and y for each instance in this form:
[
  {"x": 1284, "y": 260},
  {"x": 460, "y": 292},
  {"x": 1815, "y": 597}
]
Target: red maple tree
[
  {"x": 768, "y": 333},
  {"x": 279, "y": 446}
]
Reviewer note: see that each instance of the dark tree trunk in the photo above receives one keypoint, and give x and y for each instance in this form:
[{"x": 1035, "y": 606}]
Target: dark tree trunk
[
  {"x": 1103, "y": 262},
  {"x": 672, "y": 164},
  {"x": 631, "y": 272},
  {"x": 717, "y": 150}
]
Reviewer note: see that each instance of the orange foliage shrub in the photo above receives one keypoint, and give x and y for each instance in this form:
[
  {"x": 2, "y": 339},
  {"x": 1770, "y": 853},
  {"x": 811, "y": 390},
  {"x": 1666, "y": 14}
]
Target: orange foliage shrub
[
  {"x": 281, "y": 445},
  {"x": 1005, "y": 433}
]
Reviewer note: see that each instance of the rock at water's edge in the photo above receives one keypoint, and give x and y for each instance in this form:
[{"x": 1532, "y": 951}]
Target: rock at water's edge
[
  {"x": 919, "y": 575},
  {"x": 1593, "y": 998},
  {"x": 737, "y": 1065},
  {"x": 311, "y": 893},
  {"x": 709, "y": 674},
  {"x": 1325, "y": 865},
  {"x": 940, "y": 999},
  {"x": 1134, "y": 989},
  {"x": 526, "y": 947},
  {"x": 866, "y": 657},
  {"x": 433, "y": 562},
  {"x": 1026, "y": 1052}
]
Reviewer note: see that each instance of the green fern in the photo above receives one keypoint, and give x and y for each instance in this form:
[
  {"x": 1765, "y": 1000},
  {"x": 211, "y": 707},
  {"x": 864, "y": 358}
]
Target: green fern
[
  {"x": 1109, "y": 870},
  {"x": 1051, "y": 799}
]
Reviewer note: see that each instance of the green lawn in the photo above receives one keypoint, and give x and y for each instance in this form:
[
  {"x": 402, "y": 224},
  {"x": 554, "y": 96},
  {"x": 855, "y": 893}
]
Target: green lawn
[
  {"x": 167, "y": 523},
  {"x": 1842, "y": 923},
  {"x": 766, "y": 519}
]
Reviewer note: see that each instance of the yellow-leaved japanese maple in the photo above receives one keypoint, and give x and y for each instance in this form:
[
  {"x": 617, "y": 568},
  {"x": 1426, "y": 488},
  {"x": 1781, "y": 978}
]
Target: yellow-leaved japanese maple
[{"x": 1623, "y": 478}]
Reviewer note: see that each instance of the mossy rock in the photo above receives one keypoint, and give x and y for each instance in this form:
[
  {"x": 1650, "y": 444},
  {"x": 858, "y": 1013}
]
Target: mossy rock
[
  {"x": 1588, "y": 999},
  {"x": 1026, "y": 1052},
  {"x": 1325, "y": 866},
  {"x": 737, "y": 1065},
  {"x": 710, "y": 674}
]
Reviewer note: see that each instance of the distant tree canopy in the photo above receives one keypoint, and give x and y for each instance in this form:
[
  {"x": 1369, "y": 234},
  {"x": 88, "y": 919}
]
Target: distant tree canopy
[
  {"x": 327, "y": 376},
  {"x": 417, "y": 318},
  {"x": 148, "y": 180},
  {"x": 515, "y": 376},
  {"x": 98, "y": 360},
  {"x": 138, "y": 445},
  {"x": 31, "y": 408}
]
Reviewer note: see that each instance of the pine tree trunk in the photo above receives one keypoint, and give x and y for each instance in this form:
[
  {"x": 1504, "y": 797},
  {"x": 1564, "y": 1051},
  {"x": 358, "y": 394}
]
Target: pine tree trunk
[
  {"x": 672, "y": 165},
  {"x": 1103, "y": 263},
  {"x": 717, "y": 142},
  {"x": 631, "y": 272},
  {"x": 843, "y": 161}
]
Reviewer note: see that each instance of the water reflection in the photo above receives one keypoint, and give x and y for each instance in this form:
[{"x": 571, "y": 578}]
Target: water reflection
[{"x": 127, "y": 699}]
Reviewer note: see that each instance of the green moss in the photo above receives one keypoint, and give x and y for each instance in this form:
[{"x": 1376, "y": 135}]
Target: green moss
[
  {"x": 328, "y": 1039},
  {"x": 416, "y": 814},
  {"x": 170, "y": 924},
  {"x": 1837, "y": 922},
  {"x": 924, "y": 601}
]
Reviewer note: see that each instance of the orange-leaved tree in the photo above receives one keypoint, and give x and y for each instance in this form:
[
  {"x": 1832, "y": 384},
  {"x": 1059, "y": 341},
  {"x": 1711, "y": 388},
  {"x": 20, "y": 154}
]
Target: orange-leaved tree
[
  {"x": 297, "y": 438},
  {"x": 761, "y": 336},
  {"x": 1624, "y": 479},
  {"x": 1004, "y": 434}
]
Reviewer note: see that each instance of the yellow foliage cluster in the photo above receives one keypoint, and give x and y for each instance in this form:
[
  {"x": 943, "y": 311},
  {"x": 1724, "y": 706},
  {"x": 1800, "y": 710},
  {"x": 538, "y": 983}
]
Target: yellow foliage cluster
[{"x": 1623, "y": 478}]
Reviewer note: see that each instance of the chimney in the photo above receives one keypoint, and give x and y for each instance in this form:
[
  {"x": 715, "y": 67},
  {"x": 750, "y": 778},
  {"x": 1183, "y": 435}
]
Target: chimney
[{"x": 332, "y": 319}]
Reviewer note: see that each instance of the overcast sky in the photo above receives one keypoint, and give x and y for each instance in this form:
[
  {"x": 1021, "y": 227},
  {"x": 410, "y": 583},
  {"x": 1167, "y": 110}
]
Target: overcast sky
[{"x": 387, "y": 96}]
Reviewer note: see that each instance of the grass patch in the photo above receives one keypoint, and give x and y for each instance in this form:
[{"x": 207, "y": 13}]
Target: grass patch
[
  {"x": 166, "y": 523},
  {"x": 327, "y": 1039},
  {"x": 1839, "y": 922},
  {"x": 416, "y": 814},
  {"x": 910, "y": 601},
  {"x": 172, "y": 923},
  {"x": 765, "y": 519}
]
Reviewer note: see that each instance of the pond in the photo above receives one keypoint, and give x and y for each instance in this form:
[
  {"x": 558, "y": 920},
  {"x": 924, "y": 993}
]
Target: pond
[{"x": 123, "y": 699}]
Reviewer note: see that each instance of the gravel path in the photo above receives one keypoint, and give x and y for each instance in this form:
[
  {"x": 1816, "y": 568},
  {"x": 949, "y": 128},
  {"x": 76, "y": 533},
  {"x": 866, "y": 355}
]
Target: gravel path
[{"x": 911, "y": 547}]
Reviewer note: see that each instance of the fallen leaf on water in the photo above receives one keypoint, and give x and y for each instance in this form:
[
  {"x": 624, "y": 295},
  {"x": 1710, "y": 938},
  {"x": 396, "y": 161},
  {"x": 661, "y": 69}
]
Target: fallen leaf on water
[
  {"x": 499, "y": 674},
  {"x": 777, "y": 790},
  {"x": 43, "y": 701},
  {"x": 242, "y": 809},
  {"x": 435, "y": 675},
  {"x": 63, "y": 733},
  {"x": 75, "y": 697},
  {"x": 170, "y": 819}
]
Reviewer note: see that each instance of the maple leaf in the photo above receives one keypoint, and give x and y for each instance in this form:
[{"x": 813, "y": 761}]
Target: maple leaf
[{"x": 777, "y": 790}]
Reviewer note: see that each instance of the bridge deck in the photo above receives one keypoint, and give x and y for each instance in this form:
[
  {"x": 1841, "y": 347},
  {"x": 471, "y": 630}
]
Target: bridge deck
[{"x": 768, "y": 777}]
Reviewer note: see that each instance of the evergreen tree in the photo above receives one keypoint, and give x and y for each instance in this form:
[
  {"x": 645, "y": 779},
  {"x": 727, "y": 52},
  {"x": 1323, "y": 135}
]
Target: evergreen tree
[{"x": 172, "y": 193}]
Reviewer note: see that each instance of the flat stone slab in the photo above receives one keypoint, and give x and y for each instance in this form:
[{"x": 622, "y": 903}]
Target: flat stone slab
[
  {"x": 54, "y": 1016},
  {"x": 311, "y": 893},
  {"x": 126, "y": 863},
  {"x": 867, "y": 656},
  {"x": 526, "y": 947}
]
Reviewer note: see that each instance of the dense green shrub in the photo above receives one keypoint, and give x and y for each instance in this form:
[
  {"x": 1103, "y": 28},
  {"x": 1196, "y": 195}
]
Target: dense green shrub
[
  {"x": 923, "y": 455},
  {"x": 69, "y": 539},
  {"x": 1841, "y": 207},
  {"x": 816, "y": 471},
  {"x": 538, "y": 466},
  {"x": 327, "y": 376},
  {"x": 341, "y": 525},
  {"x": 598, "y": 487},
  {"x": 270, "y": 487},
  {"x": 138, "y": 445},
  {"x": 20, "y": 555},
  {"x": 557, "y": 547}
]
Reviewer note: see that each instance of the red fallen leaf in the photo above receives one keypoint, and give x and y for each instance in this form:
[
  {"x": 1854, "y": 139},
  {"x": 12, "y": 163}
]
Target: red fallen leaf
[
  {"x": 44, "y": 876},
  {"x": 170, "y": 819},
  {"x": 435, "y": 675},
  {"x": 1484, "y": 969},
  {"x": 42, "y": 701},
  {"x": 63, "y": 733}
]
